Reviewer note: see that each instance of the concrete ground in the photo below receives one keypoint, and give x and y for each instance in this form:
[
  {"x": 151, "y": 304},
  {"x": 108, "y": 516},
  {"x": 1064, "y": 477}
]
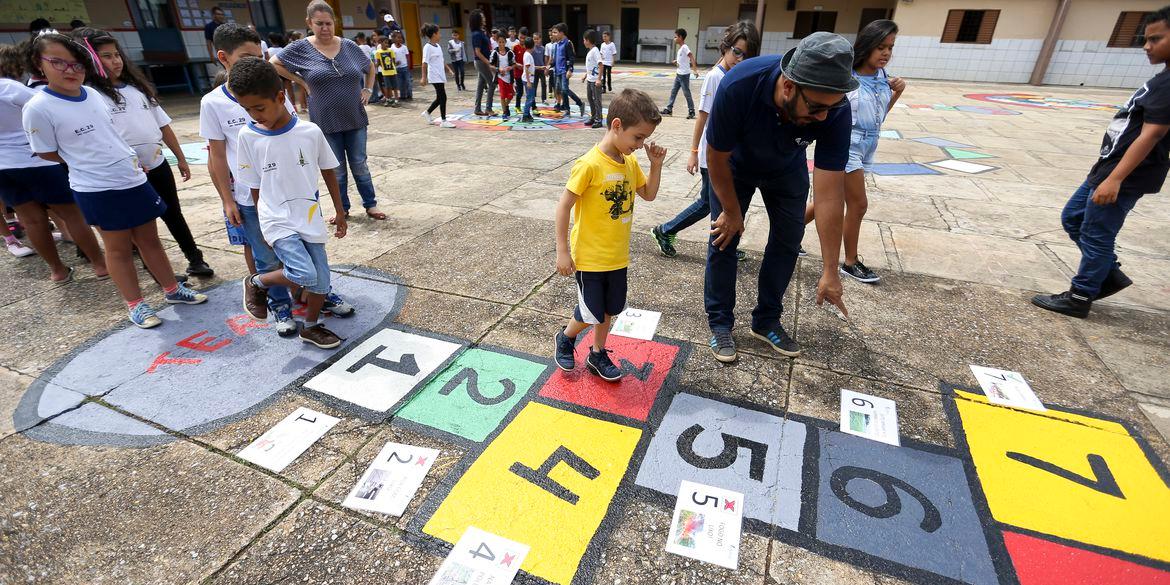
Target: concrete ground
[{"x": 124, "y": 479}]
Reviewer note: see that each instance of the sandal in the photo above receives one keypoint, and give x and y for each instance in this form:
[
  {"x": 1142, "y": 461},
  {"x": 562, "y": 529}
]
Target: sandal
[
  {"x": 375, "y": 214},
  {"x": 68, "y": 277},
  {"x": 333, "y": 220}
]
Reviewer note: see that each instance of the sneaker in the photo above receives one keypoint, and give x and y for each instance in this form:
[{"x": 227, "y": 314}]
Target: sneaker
[
  {"x": 667, "y": 112},
  {"x": 599, "y": 363},
  {"x": 336, "y": 306},
  {"x": 563, "y": 347},
  {"x": 185, "y": 296},
  {"x": 255, "y": 299},
  {"x": 1069, "y": 302},
  {"x": 802, "y": 252},
  {"x": 665, "y": 242},
  {"x": 284, "y": 323},
  {"x": 447, "y": 124},
  {"x": 723, "y": 346},
  {"x": 860, "y": 272},
  {"x": 597, "y": 125},
  {"x": 321, "y": 337},
  {"x": 1114, "y": 283},
  {"x": 200, "y": 268},
  {"x": 740, "y": 255},
  {"x": 527, "y": 120},
  {"x": 15, "y": 228},
  {"x": 426, "y": 116},
  {"x": 691, "y": 115},
  {"x": 19, "y": 250},
  {"x": 144, "y": 316},
  {"x": 582, "y": 108},
  {"x": 780, "y": 341}
]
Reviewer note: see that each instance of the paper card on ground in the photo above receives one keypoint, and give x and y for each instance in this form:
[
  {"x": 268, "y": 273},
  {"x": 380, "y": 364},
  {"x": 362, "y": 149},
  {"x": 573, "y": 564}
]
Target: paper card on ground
[
  {"x": 636, "y": 323},
  {"x": 390, "y": 482},
  {"x": 283, "y": 443},
  {"x": 869, "y": 416},
  {"x": 481, "y": 558},
  {"x": 706, "y": 524},
  {"x": 1006, "y": 388}
]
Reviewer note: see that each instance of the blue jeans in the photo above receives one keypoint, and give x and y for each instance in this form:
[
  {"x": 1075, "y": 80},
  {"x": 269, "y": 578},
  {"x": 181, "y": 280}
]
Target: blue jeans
[
  {"x": 305, "y": 263},
  {"x": 784, "y": 198},
  {"x": 457, "y": 67},
  {"x": 683, "y": 82},
  {"x": 1094, "y": 229},
  {"x": 405, "y": 83},
  {"x": 531, "y": 101},
  {"x": 566, "y": 93},
  {"x": 698, "y": 210},
  {"x": 264, "y": 257},
  {"x": 351, "y": 145}
]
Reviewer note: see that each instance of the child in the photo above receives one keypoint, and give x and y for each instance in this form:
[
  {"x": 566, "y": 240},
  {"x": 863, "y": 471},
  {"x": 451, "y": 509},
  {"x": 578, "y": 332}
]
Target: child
[
  {"x": 455, "y": 48},
  {"x": 511, "y": 41},
  {"x": 564, "y": 68},
  {"x": 280, "y": 158},
  {"x": 402, "y": 68},
  {"x": 528, "y": 78},
  {"x": 144, "y": 125},
  {"x": 600, "y": 193},
  {"x": 434, "y": 71},
  {"x": 502, "y": 62},
  {"x": 538, "y": 59},
  {"x": 518, "y": 49},
  {"x": 685, "y": 60},
  {"x": 740, "y": 41},
  {"x": 30, "y": 185},
  {"x": 384, "y": 57},
  {"x": 495, "y": 35},
  {"x": 608, "y": 57},
  {"x": 68, "y": 123},
  {"x": 592, "y": 78},
  {"x": 1134, "y": 161},
  {"x": 870, "y": 102}
]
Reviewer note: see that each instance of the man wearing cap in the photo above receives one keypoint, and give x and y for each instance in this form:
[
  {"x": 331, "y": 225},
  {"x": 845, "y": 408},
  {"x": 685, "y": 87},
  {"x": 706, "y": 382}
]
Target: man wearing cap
[{"x": 768, "y": 110}]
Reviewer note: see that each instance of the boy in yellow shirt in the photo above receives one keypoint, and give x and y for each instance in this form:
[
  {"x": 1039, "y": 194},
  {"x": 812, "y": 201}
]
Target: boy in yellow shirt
[
  {"x": 600, "y": 194},
  {"x": 384, "y": 57}
]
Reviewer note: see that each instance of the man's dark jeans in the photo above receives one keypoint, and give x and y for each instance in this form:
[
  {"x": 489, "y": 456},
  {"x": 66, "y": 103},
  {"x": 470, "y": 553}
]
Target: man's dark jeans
[{"x": 1094, "y": 229}]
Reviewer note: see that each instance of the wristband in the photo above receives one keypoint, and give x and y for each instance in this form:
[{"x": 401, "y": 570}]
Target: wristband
[
  {"x": 368, "y": 89},
  {"x": 694, "y": 150}
]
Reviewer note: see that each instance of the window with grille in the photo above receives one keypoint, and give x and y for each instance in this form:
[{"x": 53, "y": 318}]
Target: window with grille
[
  {"x": 811, "y": 21},
  {"x": 869, "y": 15},
  {"x": 1128, "y": 30},
  {"x": 970, "y": 26}
]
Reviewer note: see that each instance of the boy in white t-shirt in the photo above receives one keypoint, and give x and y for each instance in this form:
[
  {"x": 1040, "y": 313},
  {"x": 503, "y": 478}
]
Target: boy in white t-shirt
[
  {"x": 528, "y": 78},
  {"x": 434, "y": 72},
  {"x": 402, "y": 66},
  {"x": 592, "y": 79},
  {"x": 685, "y": 60},
  {"x": 280, "y": 158},
  {"x": 608, "y": 58}
]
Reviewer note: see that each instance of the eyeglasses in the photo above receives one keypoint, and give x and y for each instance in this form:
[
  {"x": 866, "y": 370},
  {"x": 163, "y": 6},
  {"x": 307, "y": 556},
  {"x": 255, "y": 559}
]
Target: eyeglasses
[
  {"x": 815, "y": 108},
  {"x": 63, "y": 65},
  {"x": 738, "y": 53}
]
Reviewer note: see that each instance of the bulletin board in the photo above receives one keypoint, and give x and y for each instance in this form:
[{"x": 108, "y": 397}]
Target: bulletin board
[
  {"x": 194, "y": 14},
  {"x": 18, "y": 13}
]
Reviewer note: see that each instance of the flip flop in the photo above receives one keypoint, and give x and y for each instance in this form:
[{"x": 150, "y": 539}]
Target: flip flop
[
  {"x": 376, "y": 214},
  {"x": 333, "y": 220},
  {"x": 68, "y": 277}
]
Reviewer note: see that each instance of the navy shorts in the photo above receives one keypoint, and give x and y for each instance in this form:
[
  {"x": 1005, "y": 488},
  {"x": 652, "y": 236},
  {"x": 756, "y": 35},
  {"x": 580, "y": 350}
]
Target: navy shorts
[
  {"x": 120, "y": 209},
  {"x": 600, "y": 294},
  {"x": 48, "y": 185}
]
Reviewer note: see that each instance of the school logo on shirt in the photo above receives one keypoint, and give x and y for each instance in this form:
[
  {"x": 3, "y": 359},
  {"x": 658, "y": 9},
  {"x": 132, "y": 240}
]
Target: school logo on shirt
[
  {"x": 268, "y": 167},
  {"x": 118, "y": 109},
  {"x": 803, "y": 142},
  {"x": 82, "y": 131},
  {"x": 233, "y": 122},
  {"x": 301, "y": 161}
]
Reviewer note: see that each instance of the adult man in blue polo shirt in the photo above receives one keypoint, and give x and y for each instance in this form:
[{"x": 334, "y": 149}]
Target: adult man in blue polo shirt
[
  {"x": 768, "y": 110},
  {"x": 217, "y": 19}
]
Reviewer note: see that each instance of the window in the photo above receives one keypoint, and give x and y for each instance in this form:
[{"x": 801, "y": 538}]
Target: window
[
  {"x": 809, "y": 22},
  {"x": 970, "y": 26},
  {"x": 1128, "y": 30},
  {"x": 748, "y": 12},
  {"x": 869, "y": 15}
]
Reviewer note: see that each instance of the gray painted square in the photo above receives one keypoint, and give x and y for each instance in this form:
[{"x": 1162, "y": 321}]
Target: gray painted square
[
  {"x": 774, "y": 498},
  {"x": 956, "y": 548}
]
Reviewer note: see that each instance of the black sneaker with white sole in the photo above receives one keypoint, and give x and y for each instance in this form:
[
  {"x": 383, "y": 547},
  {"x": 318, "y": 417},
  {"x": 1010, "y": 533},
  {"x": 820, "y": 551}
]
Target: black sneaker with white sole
[
  {"x": 723, "y": 346},
  {"x": 1070, "y": 302},
  {"x": 860, "y": 272},
  {"x": 779, "y": 340}
]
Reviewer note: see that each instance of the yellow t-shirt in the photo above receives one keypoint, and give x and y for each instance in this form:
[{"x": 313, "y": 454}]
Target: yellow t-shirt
[
  {"x": 604, "y": 213},
  {"x": 385, "y": 60}
]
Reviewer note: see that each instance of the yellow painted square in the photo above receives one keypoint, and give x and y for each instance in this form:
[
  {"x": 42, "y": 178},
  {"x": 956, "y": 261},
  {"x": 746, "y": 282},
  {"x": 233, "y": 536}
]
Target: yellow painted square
[
  {"x": 492, "y": 498},
  {"x": 1023, "y": 495}
]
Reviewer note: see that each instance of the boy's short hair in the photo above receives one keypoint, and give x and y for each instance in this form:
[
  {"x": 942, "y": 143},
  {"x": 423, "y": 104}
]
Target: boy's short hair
[
  {"x": 591, "y": 36},
  {"x": 511, "y": 29},
  {"x": 632, "y": 107},
  {"x": 561, "y": 28},
  {"x": 230, "y": 36},
  {"x": 429, "y": 29},
  {"x": 523, "y": 30},
  {"x": 529, "y": 43},
  {"x": 606, "y": 33},
  {"x": 360, "y": 35},
  {"x": 1160, "y": 15},
  {"x": 254, "y": 76},
  {"x": 495, "y": 32},
  {"x": 681, "y": 32}
]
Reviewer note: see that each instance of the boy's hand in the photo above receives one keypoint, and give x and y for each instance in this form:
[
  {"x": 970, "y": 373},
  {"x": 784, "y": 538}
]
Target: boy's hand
[
  {"x": 1106, "y": 192},
  {"x": 341, "y": 226},
  {"x": 232, "y": 213},
  {"x": 565, "y": 266},
  {"x": 185, "y": 170},
  {"x": 656, "y": 153},
  {"x": 693, "y": 163},
  {"x": 897, "y": 84}
]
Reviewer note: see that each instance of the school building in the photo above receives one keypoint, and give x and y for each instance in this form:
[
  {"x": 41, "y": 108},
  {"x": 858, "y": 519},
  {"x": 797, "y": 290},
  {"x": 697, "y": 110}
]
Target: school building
[{"x": 1062, "y": 42}]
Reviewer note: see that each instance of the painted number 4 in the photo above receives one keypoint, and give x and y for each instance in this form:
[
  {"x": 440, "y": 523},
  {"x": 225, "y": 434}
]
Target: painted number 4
[{"x": 483, "y": 551}]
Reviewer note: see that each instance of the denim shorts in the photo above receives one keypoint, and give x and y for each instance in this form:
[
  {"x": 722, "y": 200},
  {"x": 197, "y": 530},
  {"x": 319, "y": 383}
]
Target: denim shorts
[
  {"x": 305, "y": 263},
  {"x": 862, "y": 146}
]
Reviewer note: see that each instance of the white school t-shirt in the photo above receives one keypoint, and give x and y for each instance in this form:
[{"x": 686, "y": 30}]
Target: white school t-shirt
[
  {"x": 529, "y": 68},
  {"x": 455, "y": 48},
  {"x": 608, "y": 52},
  {"x": 15, "y": 153},
  {"x": 436, "y": 65},
  {"x": 400, "y": 54},
  {"x": 220, "y": 118},
  {"x": 140, "y": 124},
  {"x": 592, "y": 60},
  {"x": 684, "y": 60},
  {"x": 706, "y": 102},
  {"x": 285, "y": 164},
  {"x": 80, "y": 129}
]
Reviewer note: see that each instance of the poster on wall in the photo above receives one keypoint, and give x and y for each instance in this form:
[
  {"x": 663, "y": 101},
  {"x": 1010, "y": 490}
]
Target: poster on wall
[{"x": 58, "y": 12}]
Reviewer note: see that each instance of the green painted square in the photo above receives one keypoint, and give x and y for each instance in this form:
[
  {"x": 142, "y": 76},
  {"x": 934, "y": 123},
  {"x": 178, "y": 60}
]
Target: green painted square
[{"x": 473, "y": 394}]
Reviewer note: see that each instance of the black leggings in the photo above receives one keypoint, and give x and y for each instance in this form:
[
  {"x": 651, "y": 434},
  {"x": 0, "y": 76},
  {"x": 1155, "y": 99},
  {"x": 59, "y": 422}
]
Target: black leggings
[
  {"x": 607, "y": 81},
  {"x": 440, "y": 100},
  {"x": 163, "y": 181},
  {"x": 539, "y": 79}
]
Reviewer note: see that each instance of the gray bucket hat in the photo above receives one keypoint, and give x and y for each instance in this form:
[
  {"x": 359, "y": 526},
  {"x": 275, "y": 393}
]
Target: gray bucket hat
[{"x": 822, "y": 61}]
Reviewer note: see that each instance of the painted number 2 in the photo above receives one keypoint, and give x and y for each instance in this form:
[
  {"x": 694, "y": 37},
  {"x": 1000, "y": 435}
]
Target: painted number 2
[{"x": 471, "y": 378}]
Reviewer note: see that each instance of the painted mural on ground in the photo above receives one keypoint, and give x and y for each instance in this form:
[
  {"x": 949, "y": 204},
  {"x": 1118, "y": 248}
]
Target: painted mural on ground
[
  {"x": 1032, "y": 100},
  {"x": 544, "y": 118},
  {"x": 986, "y": 110},
  {"x": 621, "y": 72},
  {"x": 552, "y": 458}
]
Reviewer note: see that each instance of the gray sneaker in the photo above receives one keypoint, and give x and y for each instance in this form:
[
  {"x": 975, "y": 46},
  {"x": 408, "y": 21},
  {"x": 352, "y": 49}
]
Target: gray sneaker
[
  {"x": 779, "y": 340},
  {"x": 723, "y": 346}
]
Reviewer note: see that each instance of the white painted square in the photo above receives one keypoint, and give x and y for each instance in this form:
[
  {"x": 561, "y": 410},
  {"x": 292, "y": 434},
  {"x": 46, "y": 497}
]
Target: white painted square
[
  {"x": 406, "y": 361},
  {"x": 482, "y": 558},
  {"x": 963, "y": 166},
  {"x": 283, "y": 443}
]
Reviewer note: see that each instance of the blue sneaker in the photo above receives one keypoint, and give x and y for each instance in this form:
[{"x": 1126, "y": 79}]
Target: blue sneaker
[
  {"x": 563, "y": 351},
  {"x": 779, "y": 340},
  {"x": 186, "y": 296},
  {"x": 144, "y": 316},
  {"x": 336, "y": 306},
  {"x": 599, "y": 363},
  {"x": 282, "y": 318}
]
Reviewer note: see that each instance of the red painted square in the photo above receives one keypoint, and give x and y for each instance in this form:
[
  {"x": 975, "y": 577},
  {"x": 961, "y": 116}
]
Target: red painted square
[
  {"x": 633, "y": 395},
  {"x": 1041, "y": 562}
]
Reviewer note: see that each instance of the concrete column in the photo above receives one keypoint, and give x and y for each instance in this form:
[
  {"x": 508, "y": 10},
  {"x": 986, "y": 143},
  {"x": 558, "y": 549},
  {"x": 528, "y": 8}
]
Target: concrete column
[
  {"x": 1049, "y": 45},
  {"x": 760, "y": 17}
]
